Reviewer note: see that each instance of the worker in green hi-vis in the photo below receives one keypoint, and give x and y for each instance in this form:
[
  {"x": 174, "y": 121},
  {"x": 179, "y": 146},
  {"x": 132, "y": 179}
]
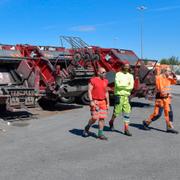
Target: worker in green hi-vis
[{"x": 124, "y": 83}]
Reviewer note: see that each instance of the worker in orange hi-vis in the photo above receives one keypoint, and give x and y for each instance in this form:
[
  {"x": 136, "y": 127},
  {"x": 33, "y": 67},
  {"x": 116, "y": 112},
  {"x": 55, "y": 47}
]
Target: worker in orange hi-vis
[{"x": 163, "y": 100}]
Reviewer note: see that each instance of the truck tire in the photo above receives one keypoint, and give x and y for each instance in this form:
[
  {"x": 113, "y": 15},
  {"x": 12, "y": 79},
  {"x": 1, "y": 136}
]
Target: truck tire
[
  {"x": 77, "y": 57},
  {"x": 85, "y": 98},
  {"x": 87, "y": 57},
  {"x": 67, "y": 100},
  {"x": 96, "y": 57}
]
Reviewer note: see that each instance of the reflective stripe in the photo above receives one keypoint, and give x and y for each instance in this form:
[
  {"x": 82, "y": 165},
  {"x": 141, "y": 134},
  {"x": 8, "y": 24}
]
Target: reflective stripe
[
  {"x": 102, "y": 112},
  {"x": 102, "y": 117},
  {"x": 126, "y": 121},
  {"x": 126, "y": 117},
  {"x": 98, "y": 115}
]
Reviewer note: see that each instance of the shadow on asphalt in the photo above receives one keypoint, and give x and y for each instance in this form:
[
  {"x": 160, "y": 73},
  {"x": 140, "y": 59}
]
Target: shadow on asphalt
[
  {"x": 79, "y": 132},
  {"x": 158, "y": 129},
  {"x": 140, "y": 126},
  {"x": 140, "y": 104},
  {"x": 106, "y": 128},
  {"x": 61, "y": 107},
  {"x": 26, "y": 115},
  {"x": 14, "y": 116},
  {"x": 52, "y": 105}
]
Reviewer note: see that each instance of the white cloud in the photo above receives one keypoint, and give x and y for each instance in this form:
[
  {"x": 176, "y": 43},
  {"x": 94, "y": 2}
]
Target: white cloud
[
  {"x": 89, "y": 28},
  {"x": 83, "y": 28},
  {"x": 168, "y": 8}
]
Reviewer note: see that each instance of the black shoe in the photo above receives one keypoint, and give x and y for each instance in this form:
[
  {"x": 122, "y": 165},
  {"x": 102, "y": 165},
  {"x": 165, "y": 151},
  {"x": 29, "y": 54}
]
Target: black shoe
[
  {"x": 85, "y": 133},
  {"x": 145, "y": 125},
  {"x": 171, "y": 130},
  {"x": 111, "y": 126},
  {"x": 127, "y": 133},
  {"x": 102, "y": 137}
]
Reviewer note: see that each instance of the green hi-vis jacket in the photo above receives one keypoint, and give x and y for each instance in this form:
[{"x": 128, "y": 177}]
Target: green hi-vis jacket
[{"x": 124, "y": 83}]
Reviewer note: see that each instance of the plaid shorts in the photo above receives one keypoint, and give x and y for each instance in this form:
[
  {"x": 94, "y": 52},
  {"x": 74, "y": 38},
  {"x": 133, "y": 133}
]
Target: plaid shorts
[{"x": 99, "y": 111}]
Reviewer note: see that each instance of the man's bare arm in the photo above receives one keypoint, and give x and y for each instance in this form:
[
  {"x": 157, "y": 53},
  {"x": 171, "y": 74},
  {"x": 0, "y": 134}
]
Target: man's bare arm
[{"x": 107, "y": 97}]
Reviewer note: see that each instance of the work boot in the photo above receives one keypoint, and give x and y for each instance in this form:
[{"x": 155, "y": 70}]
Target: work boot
[
  {"x": 86, "y": 131},
  {"x": 111, "y": 126},
  {"x": 127, "y": 133},
  {"x": 172, "y": 130},
  {"x": 145, "y": 125},
  {"x": 102, "y": 137}
]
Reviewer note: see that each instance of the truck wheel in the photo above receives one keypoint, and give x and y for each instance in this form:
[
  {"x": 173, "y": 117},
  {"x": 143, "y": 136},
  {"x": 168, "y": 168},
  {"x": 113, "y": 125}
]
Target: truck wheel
[
  {"x": 77, "y": 57},
  {"x": 67, "y": 100},
  {"x": 87, "y": 57},
  {"x": 96, "y": 57},
  {"x": 85, "y": 98}
]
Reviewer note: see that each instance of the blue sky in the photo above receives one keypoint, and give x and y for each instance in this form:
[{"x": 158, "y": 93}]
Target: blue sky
[{"x": 105, "y": 23}]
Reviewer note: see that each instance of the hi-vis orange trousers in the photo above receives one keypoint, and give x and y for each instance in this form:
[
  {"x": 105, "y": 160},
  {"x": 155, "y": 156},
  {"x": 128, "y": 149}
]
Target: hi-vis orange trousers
[{"x": 160, "y": 105}]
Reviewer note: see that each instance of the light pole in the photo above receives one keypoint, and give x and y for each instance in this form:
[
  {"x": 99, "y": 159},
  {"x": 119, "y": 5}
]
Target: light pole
[{"x": 141, "y": 9}]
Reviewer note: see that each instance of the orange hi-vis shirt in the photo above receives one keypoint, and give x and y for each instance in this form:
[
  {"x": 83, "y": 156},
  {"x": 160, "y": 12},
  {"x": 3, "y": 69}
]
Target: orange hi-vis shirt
[
  {"x": 163, "y": 86},
  {"x": 99, "y": 88}
]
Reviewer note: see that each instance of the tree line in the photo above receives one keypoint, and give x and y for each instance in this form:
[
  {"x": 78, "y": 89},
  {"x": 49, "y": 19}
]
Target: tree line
[{"x": 170, "y": 61}]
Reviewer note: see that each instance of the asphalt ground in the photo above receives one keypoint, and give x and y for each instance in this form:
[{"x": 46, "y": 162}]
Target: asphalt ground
[{"x": 50, "y": 147}]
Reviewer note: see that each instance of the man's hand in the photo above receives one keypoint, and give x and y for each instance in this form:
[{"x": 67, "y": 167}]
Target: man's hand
[
  {"x": 172, "y": 75},
  {"x": 92, "y": 103}
]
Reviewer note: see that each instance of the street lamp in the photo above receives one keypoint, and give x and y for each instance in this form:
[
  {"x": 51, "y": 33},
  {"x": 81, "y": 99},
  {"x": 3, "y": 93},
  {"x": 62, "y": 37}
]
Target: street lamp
[{"x": 141, "y": 9}]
